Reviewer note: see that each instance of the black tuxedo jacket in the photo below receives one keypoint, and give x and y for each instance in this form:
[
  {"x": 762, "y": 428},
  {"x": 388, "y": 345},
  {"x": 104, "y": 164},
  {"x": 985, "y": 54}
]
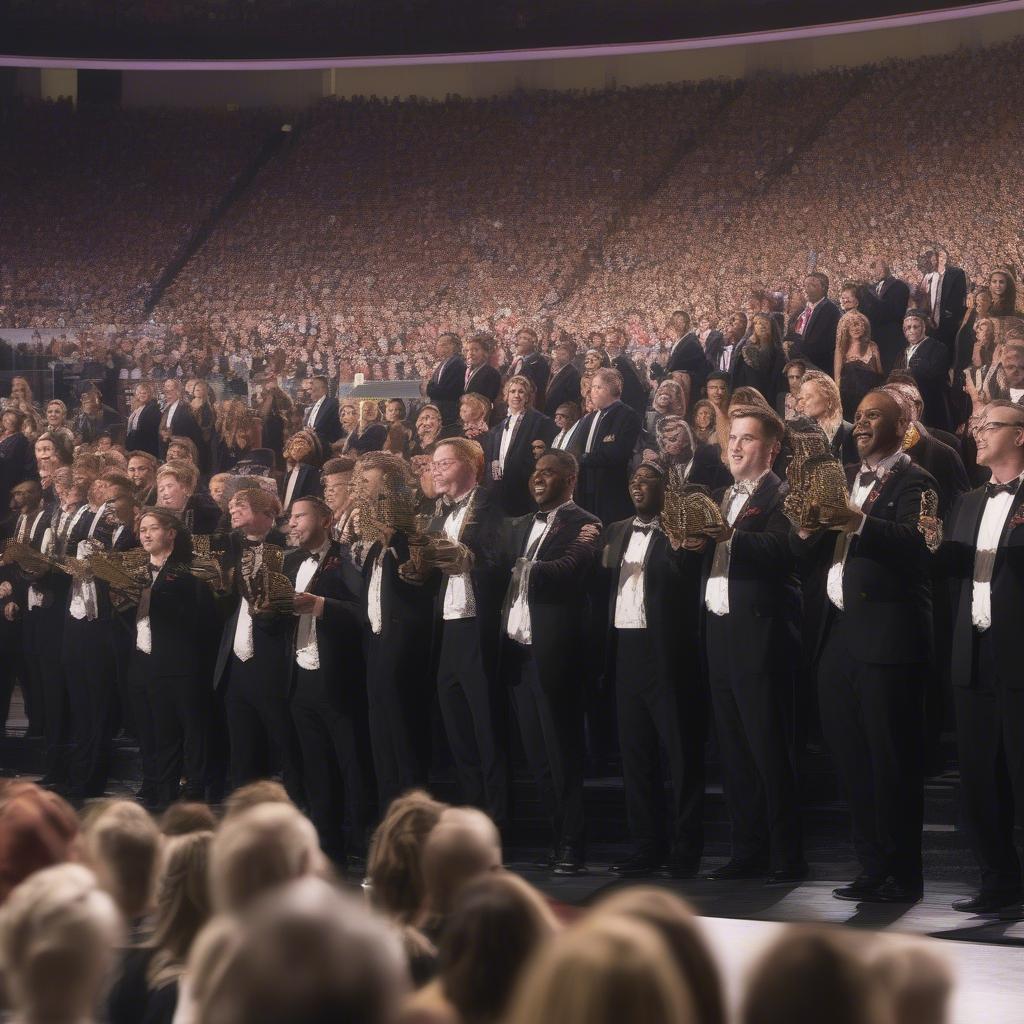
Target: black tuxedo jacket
[
  {"x": 892, "y": 297},
  {"x": 671, "y": 601},
  {"x": 339, "y": 631},
  {"x": 184, "y": 625},
  {"x": 486, "y": 381},
  {"x": 886, "y": 589},
  {"x": 146, "y": 435},
  {"x": 952, "y": 304},
  {"x": 634, "y": 390},
  {"x": 563, "y": 386},
  {"x": 201, "y": 514},
  {"x": 327, "y": 425},
  {"x": 844, "y": 448},
  {"x": 688, "y": 356},
  {"x": 713, "y": 345},
  {"x": 183, "y": 424},
  {"x": 768, "y": 379},
  {"x": 708, "y": 470},
  {"x": 818, "y": 342},
  {"x": 512, "y": 491},
  {"x": 929, "y": 367},
  {"x": 536, "y": 368},
  {"x": 306, "y": 485},
  {"x": 11, "y": 573},
  {"x": 17, "y": 464},
  {"x": 446, "y": 386},
  {"x": 603, "y": 484},
  {"x": 945, "y": 465},
  {"x": 764, "y": 592},
  {"x": 559, "y": 594},
  {"x": 955, "y": 560},
  {"x": 370, "y": 440}
]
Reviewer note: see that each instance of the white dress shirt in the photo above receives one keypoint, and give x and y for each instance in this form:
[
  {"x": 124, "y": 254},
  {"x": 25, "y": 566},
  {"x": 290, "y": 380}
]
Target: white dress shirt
[
  {"x": 1017, "y": 395},
  {"x": 459, "y": 599},
  {"x": 133, "y": 419},
  {"x": 169, "y": 414},
  {"x": 520, "y": 626},
  {"x": 243, "y": 642},
  {"x": 911, "y": 350},
  {"x": 593, "y": 430},
  {"x": 725, "y": 357},
  {"x": 716, "y": 594},
  {"x": 293, "y": 479},
  {"x": 374, "y": 608},
  {"x": 631, "y": 600},
  {"x": 506, "y": 437},
  {"x": 143, "y": 626},
  {"x": 307, "y": 654},
  {"x": 933, "y": 282},
  {"x": 993, "y": 519},
  {"x": 314, "y": 411},
  {"x": 858, "y": 495}
]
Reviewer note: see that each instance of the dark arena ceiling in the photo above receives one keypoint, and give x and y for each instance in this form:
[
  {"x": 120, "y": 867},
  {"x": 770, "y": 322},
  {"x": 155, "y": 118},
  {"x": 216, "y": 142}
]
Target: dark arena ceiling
[{"x": 212, "y": 29}]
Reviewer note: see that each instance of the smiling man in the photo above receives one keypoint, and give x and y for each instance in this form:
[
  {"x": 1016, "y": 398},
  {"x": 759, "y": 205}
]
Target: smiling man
[{"x": 873, "y": 650}]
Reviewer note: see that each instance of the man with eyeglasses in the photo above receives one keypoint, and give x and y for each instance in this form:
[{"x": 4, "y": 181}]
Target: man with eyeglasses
[
  {"x": 467, "y": 612},
  {"x": 983, "y": 551}
]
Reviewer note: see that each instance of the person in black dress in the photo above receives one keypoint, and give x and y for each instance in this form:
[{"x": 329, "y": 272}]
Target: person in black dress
[{"x": 858, "y": 361}]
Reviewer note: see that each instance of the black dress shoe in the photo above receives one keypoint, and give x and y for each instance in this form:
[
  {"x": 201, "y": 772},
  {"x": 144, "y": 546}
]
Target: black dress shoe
[
  {"x": 856, "y": 889},
  {"x": 891, "y": 891},
  {"x": 736, "y": 869},
  {"x": 788, "y": 876},
  {"x": 987, "y": 902},
  {"x": 547, "y": 861},
  {"x": 684, "y": 867},
  {"x": 568, "y": 862},
  {"x": 640, "y": 865}
]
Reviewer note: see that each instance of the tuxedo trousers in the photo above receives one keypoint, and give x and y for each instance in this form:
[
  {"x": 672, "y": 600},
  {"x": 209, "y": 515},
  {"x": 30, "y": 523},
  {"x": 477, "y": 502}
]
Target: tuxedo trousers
[
  {"x": 329, "y": 728},
  {"x": 471, "y": 711},
  {"x": 43, "y": 642},
  {"x": 872, "y": 718},
  {"x": 990, "y": 740},
  {"x": 88, "y": 650},
  {"x": 654, "y": 713},
  {"x": 755, "y": 726}
]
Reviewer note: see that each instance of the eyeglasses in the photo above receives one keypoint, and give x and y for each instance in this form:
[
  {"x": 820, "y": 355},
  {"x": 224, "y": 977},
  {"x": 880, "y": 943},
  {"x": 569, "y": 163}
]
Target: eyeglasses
[
  {"x": 987, "y": 428},
  {"x": 443, "y": 464}
]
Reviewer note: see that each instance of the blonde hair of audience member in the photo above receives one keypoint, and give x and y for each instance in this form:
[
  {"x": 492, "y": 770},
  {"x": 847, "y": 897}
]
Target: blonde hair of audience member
[
  {"x": 496, "y": 924},
  {"x": 394, "y": 864},
  {"x": 252, "y": 794},
  {"x": 828, "y": 391},
  {"x": 182, "y": 905},
  {"x": 208, "y": 959},
  {"x": 259, "y": 849},
  {"x": 185, "y": 817},
  {"x": 606, "y": 970},
  {"x": 58, "y": 935},
  {"x": 122, "y": 846},
  {"x": 304, "y": 955},
  {"x": 464, "y": 844},
  {"x": 679, "y": 927},
  {"x": 918, "y": 981},
  {"x": 844, "y": 340},
  {"x": 813, "y": 976}
]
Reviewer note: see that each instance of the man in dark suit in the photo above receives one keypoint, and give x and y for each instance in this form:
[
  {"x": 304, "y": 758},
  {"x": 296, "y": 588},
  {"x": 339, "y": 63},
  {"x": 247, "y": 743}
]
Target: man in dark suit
[
  {"x": 328, "y": 679},
  {"x": 567, "y": 419},
  {"x": 875, "y": 649},
  {"x": 529, "y": 363},
  {"x": 946, "y": 288},
  {"x": 607, "y": 438},
  {"x": 177, "y": 419},
  {"x": 302, "y": 456},
  {"x": 399, "y": 605},
  {"x": 981, "y": 554},
  {"x": 564, "y": 383},
  {"x": 252, "y": 664},
  {"x": 448, "y": 381},
  {"x": 892, "y": 296},
  {"x": 481, "y": 378},
  {"x": 651, "y": 662},
  {"x": 752, "y": 637},
  {"x": 322, "y": 414},
  {"x": 543, "y": 625},
  {"x": 812, "y": 332},
  {"x": 927, "y": 361},
  {"x": 722, "y": 348},
  {"x": 466, "y": 622},
  {"x": 142, "y": 432},
  {"x": 635, "y": 391},
  {"x": 685, "y": 356},
  {"x": 508, "y": 447}
]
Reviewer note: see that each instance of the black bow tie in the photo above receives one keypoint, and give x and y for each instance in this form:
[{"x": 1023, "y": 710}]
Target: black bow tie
[
  {"x": 991, "y": 490},
  {"x": 454, "y": 506},
  {"x": 246, "y": 543},
  {"x": 867, "y": 476},
  {"x": 639, "y": 526},
  {"x": 541, "y": 517}
]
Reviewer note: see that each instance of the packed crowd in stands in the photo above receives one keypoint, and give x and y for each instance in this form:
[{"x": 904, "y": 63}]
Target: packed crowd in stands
[{"x": 239, "y": 919}]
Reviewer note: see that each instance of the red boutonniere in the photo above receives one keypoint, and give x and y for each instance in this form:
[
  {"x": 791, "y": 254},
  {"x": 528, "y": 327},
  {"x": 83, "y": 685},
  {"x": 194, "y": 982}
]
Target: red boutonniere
[
  {"x": 1017, "y": 520},
  {"x": 749, "y": 513},
  {"x": 329, "y": 563}
]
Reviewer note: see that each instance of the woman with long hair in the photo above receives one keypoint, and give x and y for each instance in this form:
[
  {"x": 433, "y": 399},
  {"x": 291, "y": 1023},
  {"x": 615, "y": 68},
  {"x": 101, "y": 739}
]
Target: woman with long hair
[
  {"x": 428, "y": 429},
  {"x": 669, "y": 400},
  {"x": 984, "y": 364},
  {"x": 761, "y": 359},
  {"x": 858, "y": 363},
  {"x": 205, "y": 416},
  {"x": 1004, "y": 292},
  {"x": 820, "y": 401},
  {"x": 704, "y": 416},
  {"x": 233, "y": 434},
  {"x": 274, "y": 410},
  {"x": 979, "y": 307}
]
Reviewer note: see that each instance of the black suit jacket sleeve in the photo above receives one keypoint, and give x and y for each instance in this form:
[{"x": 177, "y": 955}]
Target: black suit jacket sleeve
[
  {"x": 619, "y": 451},
  {"x": 449, "y": 386},
  {"x": 577, "y": 560}
]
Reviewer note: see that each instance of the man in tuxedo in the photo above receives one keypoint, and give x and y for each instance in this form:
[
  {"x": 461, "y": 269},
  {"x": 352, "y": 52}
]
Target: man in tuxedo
[
  {"x": 302, "y": 457},
  {"x": 508, "y": 447},
  {"x": 543, "y": 627},
  {"x": 252, "y": 667},
  {"x": 635, "y": 391},
  {"x": 892, "y": 296},
  {"x": 946, "y": 288},
  {"x": 399, "y": 605},
  {"x": 982, "y": 555},
  {"x": 752, "y": 637},
  {"x": 927, "y": 361},
  {"x": 529, "y": 363},
  {"x": 875, "y": 648},
  {"x": 466, "y": 622},
  {"x": 328, "y": 679},
  {"x": 651, "y": 662},
  {"x": 481, "y": 378},
  {"x": 722, "y": 348},
  {"x": 567, "y": 419},
  {"x": 448, "y": 381},
  {"x": 812, "y": 331},
  {"x": 322, "y": 414},
  {"x": 608, "y": 435},
  {"x": 143, "y": 430},
  {"x": 686, "y": 355},
  {"x": 177, "y": 419},
  {"x": 564, "y": 383}
]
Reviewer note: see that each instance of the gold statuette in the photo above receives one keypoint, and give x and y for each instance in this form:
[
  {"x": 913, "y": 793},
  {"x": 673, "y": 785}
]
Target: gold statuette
[{"x": 689, "y": 513}]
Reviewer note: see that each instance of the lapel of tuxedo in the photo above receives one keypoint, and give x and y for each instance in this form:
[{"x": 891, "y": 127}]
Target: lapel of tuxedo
[
  {"x": 618, "y": 550},
  {"x": 1015, "y": 505},
  {"x": 517, "y": 433}
]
